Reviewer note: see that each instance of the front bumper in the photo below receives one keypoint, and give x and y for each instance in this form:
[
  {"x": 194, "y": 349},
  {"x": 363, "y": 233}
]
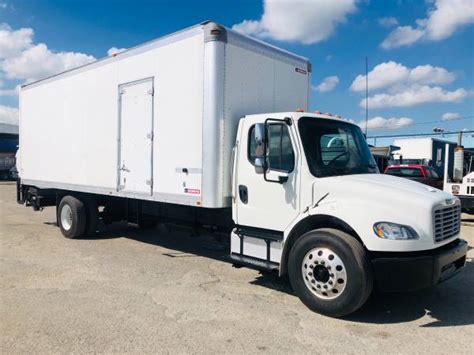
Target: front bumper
[{"x": 417, "y": 270}]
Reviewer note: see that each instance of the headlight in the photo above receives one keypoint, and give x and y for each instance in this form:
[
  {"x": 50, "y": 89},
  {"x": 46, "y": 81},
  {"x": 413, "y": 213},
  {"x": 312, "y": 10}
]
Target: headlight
[{"x": 393, "y": 231}]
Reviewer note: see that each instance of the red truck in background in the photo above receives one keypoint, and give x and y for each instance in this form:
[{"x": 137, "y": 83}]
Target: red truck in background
[{"x": 421, "y": 173}]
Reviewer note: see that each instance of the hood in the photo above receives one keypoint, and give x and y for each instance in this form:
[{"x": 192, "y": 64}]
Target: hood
[
  {"x": 381, "y": 187},
  {"x": 364, "y": 199}
]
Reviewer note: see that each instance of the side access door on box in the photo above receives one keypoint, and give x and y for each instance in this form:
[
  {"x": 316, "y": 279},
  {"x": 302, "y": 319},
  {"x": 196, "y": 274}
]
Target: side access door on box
[{"x": 135, "y": 145}]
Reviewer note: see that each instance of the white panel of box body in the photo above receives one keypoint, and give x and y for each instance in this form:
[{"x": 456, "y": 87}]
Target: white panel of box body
[
  {"x": 69, "y": 126},
  {"x": 257, "y": 83},
  {"x": 69, "y": 123}
]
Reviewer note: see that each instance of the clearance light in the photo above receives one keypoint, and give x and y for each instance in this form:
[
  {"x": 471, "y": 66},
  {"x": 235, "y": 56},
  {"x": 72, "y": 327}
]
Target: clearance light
[
  {"x": 299, "y": 110},
  {"x": 318, "y": 112}
]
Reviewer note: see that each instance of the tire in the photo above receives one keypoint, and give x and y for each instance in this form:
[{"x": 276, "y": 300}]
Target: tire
[
  {"x": 72, "y": 217},
  {"x": 92, "y": 221},
  {"x": 330, "y": 272}
]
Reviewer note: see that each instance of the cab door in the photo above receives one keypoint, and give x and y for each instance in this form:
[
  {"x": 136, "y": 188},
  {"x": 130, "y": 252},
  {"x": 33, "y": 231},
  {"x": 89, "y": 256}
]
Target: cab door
[{"x": 261, "y": 201}]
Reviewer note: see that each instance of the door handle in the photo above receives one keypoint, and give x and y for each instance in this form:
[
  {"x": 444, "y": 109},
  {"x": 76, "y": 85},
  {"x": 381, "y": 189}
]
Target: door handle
[
  {"x": 243, "y": 194},
  {"x": 123, "y": 168}
]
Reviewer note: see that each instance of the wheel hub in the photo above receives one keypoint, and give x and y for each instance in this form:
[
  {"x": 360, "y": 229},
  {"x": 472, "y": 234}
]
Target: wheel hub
[
  {"x": 66, "y": 217},
  {"x": 324, "y": 273},
  {"x": 321, "y": 273}
]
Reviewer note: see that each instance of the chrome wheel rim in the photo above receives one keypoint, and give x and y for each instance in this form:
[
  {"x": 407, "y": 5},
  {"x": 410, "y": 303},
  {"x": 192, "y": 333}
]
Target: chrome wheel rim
[
  {"x": 66, "y": 217},
  {"x": 324, "y": 273}
]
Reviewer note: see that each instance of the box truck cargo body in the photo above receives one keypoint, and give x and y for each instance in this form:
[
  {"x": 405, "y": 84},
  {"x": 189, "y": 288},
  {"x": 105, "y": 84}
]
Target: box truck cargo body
[
  {"x": 210, "y": 128},
  {"x": 156, "y": 122}
]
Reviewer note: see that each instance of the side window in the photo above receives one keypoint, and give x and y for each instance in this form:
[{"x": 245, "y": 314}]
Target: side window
[
  {"x": 251, "y": 145},
  {"x": 280, "y": 151}
]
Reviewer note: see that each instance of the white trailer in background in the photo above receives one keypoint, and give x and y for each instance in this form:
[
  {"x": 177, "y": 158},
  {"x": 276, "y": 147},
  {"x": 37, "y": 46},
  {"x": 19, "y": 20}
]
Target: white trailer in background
[
  {"x": 427, "y": 151},
  {"x": 460, "y": 182},
  {"x": 208, "y": 127}
]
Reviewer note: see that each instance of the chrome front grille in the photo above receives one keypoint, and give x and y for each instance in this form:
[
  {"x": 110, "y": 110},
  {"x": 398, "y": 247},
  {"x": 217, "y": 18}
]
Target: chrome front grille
[{"x": 447, "y": 222}]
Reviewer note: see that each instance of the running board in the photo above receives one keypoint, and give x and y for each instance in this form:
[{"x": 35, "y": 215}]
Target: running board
[{"x": 254, "y": 263}]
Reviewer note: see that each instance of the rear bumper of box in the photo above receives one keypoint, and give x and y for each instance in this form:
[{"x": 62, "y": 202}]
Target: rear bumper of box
[{"x": 418, "y": 270}]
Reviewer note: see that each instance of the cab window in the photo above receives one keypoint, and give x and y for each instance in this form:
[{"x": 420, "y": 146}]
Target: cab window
[{"x": 280, "y": 151}]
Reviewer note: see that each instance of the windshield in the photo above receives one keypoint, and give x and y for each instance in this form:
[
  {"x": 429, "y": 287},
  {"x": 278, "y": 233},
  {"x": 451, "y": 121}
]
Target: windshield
[{"x": 335, "y": 148}]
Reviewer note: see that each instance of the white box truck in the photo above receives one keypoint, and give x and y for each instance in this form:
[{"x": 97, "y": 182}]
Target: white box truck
[{"x": 208, "y": 126}]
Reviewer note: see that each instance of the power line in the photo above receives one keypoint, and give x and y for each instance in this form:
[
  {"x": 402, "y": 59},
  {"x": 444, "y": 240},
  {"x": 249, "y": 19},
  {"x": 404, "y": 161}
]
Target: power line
[
  {"x": 419, "y": 134},
  {"x": 437, "y": 121},
  {"x": 440, "y": 121}
]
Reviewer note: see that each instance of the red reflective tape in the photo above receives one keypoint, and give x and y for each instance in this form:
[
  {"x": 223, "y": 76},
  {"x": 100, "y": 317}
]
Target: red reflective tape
[{"x": 192, "y": 191}]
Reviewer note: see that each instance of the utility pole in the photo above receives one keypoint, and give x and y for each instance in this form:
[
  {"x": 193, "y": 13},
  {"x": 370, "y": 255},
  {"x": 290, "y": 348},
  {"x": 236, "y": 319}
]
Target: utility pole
[
  {"x": 366, "y": 94},
  {"x": 460, "y": 138}
]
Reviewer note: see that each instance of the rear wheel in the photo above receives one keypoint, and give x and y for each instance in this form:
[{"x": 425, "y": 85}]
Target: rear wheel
[
  {"x": 71, "y": 216},
  {"x": 330, "y": 272}
]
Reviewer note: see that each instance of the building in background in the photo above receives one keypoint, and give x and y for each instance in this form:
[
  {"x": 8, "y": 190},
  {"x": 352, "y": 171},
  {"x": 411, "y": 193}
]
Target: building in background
[{"x": 8, "y": 148}]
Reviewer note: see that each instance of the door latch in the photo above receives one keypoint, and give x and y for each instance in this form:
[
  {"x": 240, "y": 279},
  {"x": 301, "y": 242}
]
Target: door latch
[
  {"x": 243, "y": 194},
  {"x": 123, "y": 168}
]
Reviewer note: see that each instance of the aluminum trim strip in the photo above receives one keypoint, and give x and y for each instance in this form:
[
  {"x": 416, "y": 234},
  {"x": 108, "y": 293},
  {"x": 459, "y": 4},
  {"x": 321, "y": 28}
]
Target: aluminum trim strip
[{"x": 157, "y": 196}]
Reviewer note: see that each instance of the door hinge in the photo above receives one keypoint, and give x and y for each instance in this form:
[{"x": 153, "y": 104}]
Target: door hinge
[
  {"x": 150, "y": 136},
  {"x": 149, "y": 182},
  {"x": 151, "y": 91}
]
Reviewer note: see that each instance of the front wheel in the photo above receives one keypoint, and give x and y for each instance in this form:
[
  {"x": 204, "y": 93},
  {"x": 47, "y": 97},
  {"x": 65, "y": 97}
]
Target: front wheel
[{"x": 330, "y": 272}]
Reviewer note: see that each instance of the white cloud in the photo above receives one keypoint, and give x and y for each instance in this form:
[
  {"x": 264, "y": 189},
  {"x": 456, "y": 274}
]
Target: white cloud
[
  {"x": 305, "y": 21},
  {"x": 328, "y": 84},
  {"x": 442, "y": 21},
  {"x": 39, "y": 62},
  {"x": 402, "y": 36},
  {"x": 387, "y": 21},
  {"x": 115, "y": 50},
  {"x": 392, "y": 74},
  {"x": 8, "y": 115},
  {"x": 448, "y": 116},
  {"x": 12, "y": 43},
  {"x": 10, "y": 92},
  {"x": 21, "y": 59},
  {"x": 386, "y": 123},
  {"x": 415, "y": 95}
]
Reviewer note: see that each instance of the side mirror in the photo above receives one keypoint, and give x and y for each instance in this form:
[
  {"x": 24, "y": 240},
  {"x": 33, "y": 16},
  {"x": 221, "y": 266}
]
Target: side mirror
[
  {"x": 260, "y": 165},
  {"x": 260, "y": 140}
]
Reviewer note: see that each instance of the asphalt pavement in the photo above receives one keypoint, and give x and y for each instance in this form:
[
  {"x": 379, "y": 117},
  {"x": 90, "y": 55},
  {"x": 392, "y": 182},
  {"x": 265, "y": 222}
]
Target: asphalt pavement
[{"x": 168, "y": 291}]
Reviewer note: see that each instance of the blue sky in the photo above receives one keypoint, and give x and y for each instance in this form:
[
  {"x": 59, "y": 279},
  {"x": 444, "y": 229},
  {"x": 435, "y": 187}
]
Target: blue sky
[{"x": 420, "y": 53}]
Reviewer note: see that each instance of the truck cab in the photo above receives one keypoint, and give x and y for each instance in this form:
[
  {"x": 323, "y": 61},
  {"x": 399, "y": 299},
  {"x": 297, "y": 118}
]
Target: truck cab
[{"x": 309, "y": 201}]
